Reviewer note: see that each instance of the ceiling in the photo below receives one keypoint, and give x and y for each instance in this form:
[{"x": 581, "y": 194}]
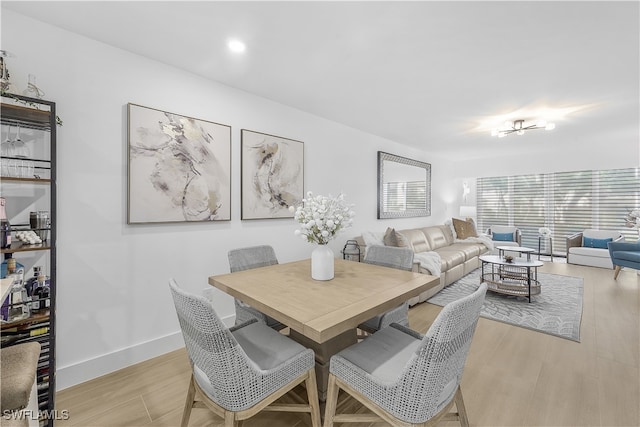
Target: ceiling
[{"x": 434, "y": 75}]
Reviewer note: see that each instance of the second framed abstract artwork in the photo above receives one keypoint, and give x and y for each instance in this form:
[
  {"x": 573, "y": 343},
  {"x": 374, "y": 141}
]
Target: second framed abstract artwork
[{"x": 272, "y": 170}]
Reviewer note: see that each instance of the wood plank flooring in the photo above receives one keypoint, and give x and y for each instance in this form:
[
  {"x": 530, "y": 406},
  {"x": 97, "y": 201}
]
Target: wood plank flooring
[{"x": 513, "y": 376}]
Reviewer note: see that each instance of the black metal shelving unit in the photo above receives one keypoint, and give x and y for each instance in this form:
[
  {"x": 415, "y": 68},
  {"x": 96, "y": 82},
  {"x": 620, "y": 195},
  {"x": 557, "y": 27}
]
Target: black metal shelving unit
[{"x": 38, "y": 114}]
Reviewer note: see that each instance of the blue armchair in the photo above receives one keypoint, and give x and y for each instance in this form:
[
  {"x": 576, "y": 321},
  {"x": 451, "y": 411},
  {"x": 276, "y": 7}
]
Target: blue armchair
[{"x": 624, "y": 254}]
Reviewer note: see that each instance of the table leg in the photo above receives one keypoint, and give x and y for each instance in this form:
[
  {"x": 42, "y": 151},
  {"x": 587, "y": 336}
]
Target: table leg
[{"x": 324, "y": 351}]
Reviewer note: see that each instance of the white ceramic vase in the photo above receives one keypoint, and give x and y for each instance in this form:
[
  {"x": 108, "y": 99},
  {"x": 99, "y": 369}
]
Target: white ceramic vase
[{"x": 322, "y": 261}]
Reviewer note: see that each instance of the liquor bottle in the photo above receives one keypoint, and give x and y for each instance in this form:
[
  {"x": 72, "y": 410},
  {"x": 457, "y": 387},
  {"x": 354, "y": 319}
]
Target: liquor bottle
[
  {"x": 40, "y": 298},
  {"x": 33, "y": 281},
  {"x": 5, "y": 226},
  {"x": 4, "y": 266}
]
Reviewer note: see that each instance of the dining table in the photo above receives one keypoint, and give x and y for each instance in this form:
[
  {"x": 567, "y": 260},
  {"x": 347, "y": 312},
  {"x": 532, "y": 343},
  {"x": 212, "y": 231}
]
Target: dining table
[{"x": 324, "y": 315}]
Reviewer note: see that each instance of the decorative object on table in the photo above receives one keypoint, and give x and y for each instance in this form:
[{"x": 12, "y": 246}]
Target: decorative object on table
[
  {"x": 555, "y": 311},
  {"x": 508, "y": 258},
  {"x": 351, "y": 251},
  {"x": 321, "y": 218},
  {"x": 404, "y": 187},
  {"x": 32, "y": 90},
  {"x": 544, "y": 231},
  {"x": 179, "y": 168},
  {"x": 272, "y": 170}
]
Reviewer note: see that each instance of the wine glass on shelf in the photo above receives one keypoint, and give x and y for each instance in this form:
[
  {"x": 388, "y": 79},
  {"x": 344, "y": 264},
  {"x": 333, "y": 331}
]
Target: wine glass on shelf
[{"x": 5, "y": 151}]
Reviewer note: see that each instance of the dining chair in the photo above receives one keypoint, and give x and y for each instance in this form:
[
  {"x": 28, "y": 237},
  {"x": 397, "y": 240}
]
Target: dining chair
[
  {"x": 393, "y": 257},
  {"x": 244, "y": 259},
  {"x": 240, "y": 371},
  {"x": 406, "y": 379}
]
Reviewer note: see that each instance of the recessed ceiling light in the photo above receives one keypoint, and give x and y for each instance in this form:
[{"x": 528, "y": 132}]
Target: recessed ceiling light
[{"x": 236, "y": 46}]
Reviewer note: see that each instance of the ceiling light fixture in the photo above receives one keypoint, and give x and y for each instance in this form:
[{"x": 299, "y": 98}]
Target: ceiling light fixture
[
  {"x": 236, "y": 46},
  {"x": 520, "y": 126}
]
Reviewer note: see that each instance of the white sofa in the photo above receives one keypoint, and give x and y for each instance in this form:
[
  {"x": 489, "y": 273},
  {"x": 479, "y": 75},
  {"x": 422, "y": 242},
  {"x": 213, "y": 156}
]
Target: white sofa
[{"x": 589, "y": 247}]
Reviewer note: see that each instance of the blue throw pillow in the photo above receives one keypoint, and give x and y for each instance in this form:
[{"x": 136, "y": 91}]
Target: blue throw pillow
[
  {"x": 503, "y": 237},
  {"x": 589, "y": 242}
]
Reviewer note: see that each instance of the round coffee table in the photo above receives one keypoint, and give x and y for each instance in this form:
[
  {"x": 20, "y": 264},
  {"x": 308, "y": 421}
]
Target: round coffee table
[{"x": 518, "y": 277}]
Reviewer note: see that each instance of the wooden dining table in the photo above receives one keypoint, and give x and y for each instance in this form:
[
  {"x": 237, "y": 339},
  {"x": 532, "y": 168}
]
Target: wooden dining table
[{"x": 323, "y": 315}]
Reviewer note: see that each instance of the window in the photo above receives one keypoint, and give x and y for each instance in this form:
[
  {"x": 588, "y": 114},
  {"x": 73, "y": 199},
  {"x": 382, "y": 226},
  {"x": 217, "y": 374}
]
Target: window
[{"x": 565, "y": 202}]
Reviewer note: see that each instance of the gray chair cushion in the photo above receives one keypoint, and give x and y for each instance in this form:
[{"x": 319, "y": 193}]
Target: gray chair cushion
[
  {"x": 383, "y": 354},
  {"x": 266, "y": 347}
]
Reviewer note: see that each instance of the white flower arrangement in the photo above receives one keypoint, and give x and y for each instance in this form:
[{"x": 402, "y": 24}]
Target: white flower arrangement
[
  {"x": 544, "y": 231},
  {"x": 632, "y": 220},
  {"x": 322, "y": 217}
]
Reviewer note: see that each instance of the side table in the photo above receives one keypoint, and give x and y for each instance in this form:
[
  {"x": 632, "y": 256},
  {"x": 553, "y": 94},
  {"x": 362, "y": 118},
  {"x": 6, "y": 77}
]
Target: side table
[{"x": 540, "y": 240}]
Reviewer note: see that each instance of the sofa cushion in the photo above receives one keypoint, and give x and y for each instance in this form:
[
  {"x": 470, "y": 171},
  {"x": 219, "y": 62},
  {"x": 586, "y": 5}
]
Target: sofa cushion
[
  {"x": 417, "y": 240},
  {"x": 592, "y": 242},
  {"x": 435, "y": 237},
  {"x": 395, "y": 238},
  {"x": 502, "y": 237},
  {"x": 592, "y": 252},
  {"x": 468, "y": 249},
  {"x": 450, "y": 257},
  {"x": 464, "y": 229}
]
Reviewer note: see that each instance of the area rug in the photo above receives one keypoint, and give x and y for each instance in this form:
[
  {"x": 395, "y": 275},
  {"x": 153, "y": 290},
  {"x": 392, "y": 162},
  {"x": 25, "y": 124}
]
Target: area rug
[{"x": 557, "y": 310}]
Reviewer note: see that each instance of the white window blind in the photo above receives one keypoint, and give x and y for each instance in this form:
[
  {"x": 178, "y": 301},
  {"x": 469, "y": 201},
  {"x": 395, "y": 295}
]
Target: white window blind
[{"x": 565, "y": 202}]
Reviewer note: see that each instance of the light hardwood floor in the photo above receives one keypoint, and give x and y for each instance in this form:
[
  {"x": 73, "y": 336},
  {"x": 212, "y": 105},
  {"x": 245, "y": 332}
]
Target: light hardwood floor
[{"x": 513, "y": 376}]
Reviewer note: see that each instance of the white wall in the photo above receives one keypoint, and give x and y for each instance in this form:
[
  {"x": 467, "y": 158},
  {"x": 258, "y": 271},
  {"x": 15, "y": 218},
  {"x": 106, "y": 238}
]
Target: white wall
[{"x": 114, "y": 306}]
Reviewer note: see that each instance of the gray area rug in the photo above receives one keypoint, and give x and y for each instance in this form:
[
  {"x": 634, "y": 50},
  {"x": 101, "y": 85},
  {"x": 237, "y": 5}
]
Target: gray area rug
[{"x": 557, "y": 310}]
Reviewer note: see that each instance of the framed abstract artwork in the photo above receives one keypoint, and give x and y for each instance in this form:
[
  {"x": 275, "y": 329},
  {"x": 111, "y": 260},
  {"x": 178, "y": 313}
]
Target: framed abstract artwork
[
  {"x": 272, "y": 170},
  {"x": 179, "y": 168}
]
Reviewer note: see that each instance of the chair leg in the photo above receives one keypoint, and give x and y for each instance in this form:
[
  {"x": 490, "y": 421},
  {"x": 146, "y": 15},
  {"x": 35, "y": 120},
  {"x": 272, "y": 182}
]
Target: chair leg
[
  {"x": 615, "y": 275},
  {"x": 462, "y": 411},
  {"x": 230, "y": 419},
  {"x": 312, "y": 395},
  {"x": 332, "y": 401},
  {"x": 188, "y": 404}
]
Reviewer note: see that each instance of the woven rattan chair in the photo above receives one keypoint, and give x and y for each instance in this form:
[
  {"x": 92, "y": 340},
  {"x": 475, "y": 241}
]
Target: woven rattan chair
[
  {"x": 245, "y": 259},
  {"x": 394, "y": 257},
  {"x": 406, "y": 379},
  {"x": 241, "y": 371}
]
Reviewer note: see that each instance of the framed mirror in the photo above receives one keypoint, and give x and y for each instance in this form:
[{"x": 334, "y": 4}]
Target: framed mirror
[{"x": 404, "y": 187}]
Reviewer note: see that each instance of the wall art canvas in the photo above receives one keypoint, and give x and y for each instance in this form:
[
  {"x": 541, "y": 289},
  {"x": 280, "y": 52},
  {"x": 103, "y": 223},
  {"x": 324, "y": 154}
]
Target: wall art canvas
[
  {"x": 272, "y": 175},
  {"x": 179, "y": 168}
]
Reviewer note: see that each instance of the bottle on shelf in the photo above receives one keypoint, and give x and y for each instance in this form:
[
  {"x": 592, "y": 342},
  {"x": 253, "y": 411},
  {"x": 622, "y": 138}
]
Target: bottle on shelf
[
  {"x": 19, "y": 307},
  {"x": 4, "y": 267},
  {"x": 5, "y": 226}
]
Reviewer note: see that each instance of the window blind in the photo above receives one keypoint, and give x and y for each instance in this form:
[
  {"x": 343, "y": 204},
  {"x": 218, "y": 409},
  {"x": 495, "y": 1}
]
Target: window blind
[{"x": 565, "y": 202}]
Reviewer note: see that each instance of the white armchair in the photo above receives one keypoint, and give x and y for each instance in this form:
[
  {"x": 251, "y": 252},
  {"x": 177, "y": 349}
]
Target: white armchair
[{"x": 589, "y": 247}]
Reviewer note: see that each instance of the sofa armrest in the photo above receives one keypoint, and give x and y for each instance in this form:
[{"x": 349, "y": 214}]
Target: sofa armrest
[
  {"x": 574, "y": 241},
  {"x": 519, "y": 237}
]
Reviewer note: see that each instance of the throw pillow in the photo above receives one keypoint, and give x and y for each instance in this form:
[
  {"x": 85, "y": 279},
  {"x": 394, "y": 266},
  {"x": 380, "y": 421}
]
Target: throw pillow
[
  {"x": 464, "y": 229},
  {"x": 502, "y": 237},
  {"x": 590, "y": 242},
  {"x": 393, "y": 238}
]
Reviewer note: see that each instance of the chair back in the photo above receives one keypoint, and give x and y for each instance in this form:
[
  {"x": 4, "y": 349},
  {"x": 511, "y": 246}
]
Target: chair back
[
  {"x": 390, "y": 256},
  {"x": 251, "y": 257},
  {"x": 211, "y": 347},
  {"x": 431, "y": 378}
]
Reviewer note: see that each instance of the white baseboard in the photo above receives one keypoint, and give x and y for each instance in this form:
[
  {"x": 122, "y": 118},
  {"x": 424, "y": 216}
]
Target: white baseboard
[{"x": 67, "y": 376}]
